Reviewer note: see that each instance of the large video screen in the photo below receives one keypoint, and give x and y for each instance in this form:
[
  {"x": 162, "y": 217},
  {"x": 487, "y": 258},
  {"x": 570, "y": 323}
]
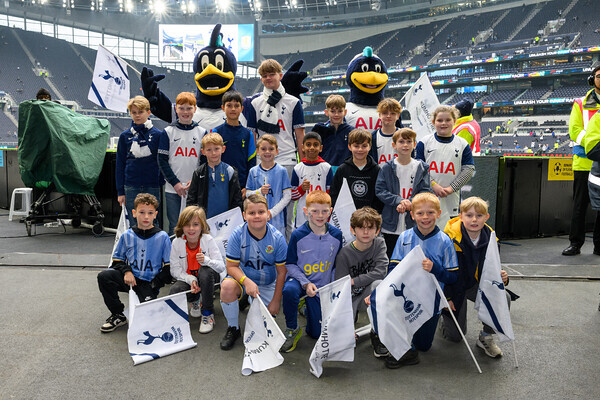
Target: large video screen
[{"x": 180, "y": 43}]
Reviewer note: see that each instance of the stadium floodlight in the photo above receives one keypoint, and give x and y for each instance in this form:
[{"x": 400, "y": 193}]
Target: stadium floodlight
[
  {"x": 159, "y": 7},
  {"x": 191, "y": 7},
  {"x": 222, "y": 5},
  {"x": 129, "y": 6}
]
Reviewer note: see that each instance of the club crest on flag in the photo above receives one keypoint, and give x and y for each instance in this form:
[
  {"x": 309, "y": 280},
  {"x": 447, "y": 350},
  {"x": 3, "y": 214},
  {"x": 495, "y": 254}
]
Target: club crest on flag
[
  {"x": 403, "y": 302},
  {"x": 421, "y": 101},
  {"x": 110, "y": 82},
  {"x": 491, "y": 302},
  {"x": 262, "y": 340},
  {"x": 158, "y": 327}
]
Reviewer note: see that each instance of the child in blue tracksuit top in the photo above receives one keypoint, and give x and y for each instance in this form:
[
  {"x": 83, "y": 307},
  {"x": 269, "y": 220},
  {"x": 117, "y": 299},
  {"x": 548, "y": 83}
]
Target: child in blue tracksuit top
[
  {"x": 310, "y": 265},
  {"x": 140, "y": 261},
  {"x": 137, "y": 165}
]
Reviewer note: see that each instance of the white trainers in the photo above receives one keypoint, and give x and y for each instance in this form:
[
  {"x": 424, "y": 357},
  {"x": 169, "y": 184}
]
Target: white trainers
[
  {"x": 486, "y": 342},
  {"x": 207, "y": 324},
  {"x": 195, "y": 309}
]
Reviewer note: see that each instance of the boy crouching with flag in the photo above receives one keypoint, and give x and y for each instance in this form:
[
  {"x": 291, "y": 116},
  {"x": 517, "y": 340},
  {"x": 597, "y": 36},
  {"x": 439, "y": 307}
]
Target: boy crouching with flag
[
  {"x": 471, "y": 236},
  {"x": 438, "y": 258}
]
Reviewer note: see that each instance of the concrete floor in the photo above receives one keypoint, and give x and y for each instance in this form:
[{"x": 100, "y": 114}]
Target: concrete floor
[{"x": 52, "y": 347}]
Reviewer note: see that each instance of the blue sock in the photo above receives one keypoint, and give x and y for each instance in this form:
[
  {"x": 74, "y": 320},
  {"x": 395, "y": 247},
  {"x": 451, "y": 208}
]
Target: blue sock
[
  {"x": 206, "y": 313},
  {"x": 231, "y": 311}
]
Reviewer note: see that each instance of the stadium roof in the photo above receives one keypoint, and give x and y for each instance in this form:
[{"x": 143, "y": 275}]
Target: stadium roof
[{"x": 258, "y": 9}]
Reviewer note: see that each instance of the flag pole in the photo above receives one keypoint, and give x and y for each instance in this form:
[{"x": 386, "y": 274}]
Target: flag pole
[
  {"x": 139, "y": 74},
  {"x": 515, "y": 353},
  {"x": 445, "y": 302}
]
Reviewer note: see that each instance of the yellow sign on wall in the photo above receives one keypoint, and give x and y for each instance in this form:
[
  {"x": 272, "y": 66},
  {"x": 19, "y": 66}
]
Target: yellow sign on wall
[{"x": 560, "y": 169}]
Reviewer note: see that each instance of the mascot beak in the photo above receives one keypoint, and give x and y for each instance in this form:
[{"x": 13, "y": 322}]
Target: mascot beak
[
  {"x": 369, "y": 82},
  {"x": 213, "y": 82}
]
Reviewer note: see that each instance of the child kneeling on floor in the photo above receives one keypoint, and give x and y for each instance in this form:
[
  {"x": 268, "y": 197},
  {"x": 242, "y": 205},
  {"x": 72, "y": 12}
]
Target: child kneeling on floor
[
  {"x": 196, "y": 263},
  {"x": 140, "y": 261}
]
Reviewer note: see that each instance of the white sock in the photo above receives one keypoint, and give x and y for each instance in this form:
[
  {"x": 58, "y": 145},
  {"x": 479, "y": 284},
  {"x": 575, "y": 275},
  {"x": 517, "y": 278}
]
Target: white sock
[{"x": 231, "y": 311}]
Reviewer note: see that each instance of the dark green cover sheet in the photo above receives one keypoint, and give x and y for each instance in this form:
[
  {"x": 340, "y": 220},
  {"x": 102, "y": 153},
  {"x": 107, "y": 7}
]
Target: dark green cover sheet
[{"x": 59, "y": 145}]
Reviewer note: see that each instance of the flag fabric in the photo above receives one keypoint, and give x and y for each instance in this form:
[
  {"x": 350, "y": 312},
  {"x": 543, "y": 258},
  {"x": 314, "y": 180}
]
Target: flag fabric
[
  {"x": 344, "y": 207},
  {"x": 221, "y": 226},
  {"x": 262, "y": 340},
  {"x": 403, "y": 302},
  {"x": 336, "y": 342},
  {"x": 110, "y": 82},
  {"x": 491, "y": 302},
  {"x": 183, "y": 203},
  {"x": 121, "y": 228},
  {"x": 420, "y": 102},
  {"x": 158, "y": 327}
]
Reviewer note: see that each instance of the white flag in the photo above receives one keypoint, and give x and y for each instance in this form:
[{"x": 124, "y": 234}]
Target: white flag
[
  {"x": 110, "y": 82},
  {"x": 262, "y": 340},
  {"x": 403, "y": 302},
  {"x": 491, "y": 302},
  {"x": 344, "y": 207},
  {"x": 221, "y": 227},
  {"x": 158, "y": 327},
  {"x": 121, "y": 228},
  {"x": 336, "y": 342},
  {"x": 420, "y": 102}
]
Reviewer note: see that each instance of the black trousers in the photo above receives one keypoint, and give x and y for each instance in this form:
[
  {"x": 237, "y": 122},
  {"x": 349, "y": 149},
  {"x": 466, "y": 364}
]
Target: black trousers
[
  {"x": 110, "y": 283},
  {"x": 581, "y": 199}
]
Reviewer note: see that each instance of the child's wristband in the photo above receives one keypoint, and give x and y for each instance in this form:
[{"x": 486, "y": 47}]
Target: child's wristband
[{"x": 242, "y": 280}]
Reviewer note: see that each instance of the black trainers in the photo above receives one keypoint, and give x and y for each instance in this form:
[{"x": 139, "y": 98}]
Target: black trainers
[
  {"x": 230, "y": 337},
  {"x": 411, "y": 357},
  {"x": 113, "y": 322},
  {"x": 379, "y": 350}
]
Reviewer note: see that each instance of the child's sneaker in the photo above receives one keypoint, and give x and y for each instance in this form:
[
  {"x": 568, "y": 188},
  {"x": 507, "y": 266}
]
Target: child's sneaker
[
  {"x": 379, "y": 350},
  {"x": 113, "y": 322},
  {"x": 486, "y": 342},
  {"x": 195, "y": 309},
  {"x": 411, "y": 357},
  {"x": 230, "y": 337},
  {"x": 207, "y": 324},
  {"x": 291, "y": 339}
]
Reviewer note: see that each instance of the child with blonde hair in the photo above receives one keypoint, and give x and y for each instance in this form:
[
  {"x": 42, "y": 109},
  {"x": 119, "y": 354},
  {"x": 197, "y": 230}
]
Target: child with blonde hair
[{"x": 196, "y": 263}]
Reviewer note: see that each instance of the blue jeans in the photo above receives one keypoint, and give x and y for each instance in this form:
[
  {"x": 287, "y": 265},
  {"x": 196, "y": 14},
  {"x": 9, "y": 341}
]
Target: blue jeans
[
  {"x": 173, "y": 201},
  {"x": 131, "y": 192},
  {"x": 292, "y": 291}
]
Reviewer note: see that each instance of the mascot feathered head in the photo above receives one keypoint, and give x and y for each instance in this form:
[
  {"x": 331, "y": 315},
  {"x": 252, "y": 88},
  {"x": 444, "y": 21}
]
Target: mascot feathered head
[
  {"x": 214, "y": 67},
  {"x": 367, "y": 77}
]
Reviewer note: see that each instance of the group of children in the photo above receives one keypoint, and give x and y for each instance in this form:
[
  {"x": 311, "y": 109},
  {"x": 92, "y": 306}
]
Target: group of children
[{"x": 401, "y": 202}]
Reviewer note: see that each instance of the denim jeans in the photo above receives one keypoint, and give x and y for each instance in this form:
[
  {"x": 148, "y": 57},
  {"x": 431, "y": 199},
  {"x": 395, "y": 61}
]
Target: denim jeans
[
  {"x": 173, "y": 201},
  {"x": 131, "y": 192}
]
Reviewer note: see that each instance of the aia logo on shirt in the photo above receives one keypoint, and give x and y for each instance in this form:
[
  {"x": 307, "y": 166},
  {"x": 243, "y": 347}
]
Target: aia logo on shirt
[
  {"x": 383, "y": 160},
  {"x": 281, "y": 126},
  {"x": 185, "y": 152},
  {"x": 442, "y": 168},
  {"x": 369, "y": 123}
]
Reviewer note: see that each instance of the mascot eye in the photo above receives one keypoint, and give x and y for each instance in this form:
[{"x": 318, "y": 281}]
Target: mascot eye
[
  {"x": 204, "y": 61},
  {"x": 364, "y": 67},
  {"x": 378, "y": 68},
  {"x": 219, "y": 62}
]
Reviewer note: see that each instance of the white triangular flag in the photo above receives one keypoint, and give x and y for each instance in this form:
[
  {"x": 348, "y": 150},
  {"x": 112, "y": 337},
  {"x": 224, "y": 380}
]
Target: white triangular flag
[
  {"x": 121, "y": 228},
  {"x": 158, "y": 327},
  {"x": 403, "y": 302},
  {"x": 491, "y": 302},
  {"x": 110, "y": 82},
  {"x": 344, "y": 207},
  {"x": 420, "y": 102},
  {"x": 336, "y": 342},
  {"x": 262, "y": 339}
]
